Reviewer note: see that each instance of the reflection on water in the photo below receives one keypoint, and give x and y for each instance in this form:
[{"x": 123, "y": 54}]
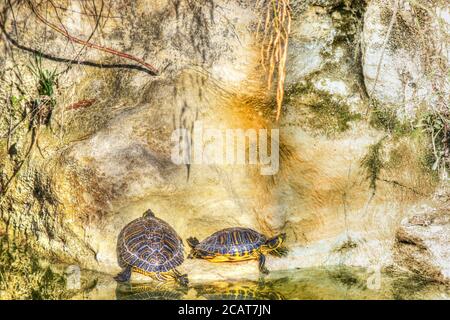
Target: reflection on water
[
  {"x": 159, "y": 291},
  {"x": 313, "y": 283},
  {"x": 222, "y": 290},
  {"x": 246, "y": 290}
]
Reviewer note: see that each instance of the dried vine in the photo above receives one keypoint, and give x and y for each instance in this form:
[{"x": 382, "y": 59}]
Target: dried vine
[
  {"x": 88, "y": 44},
  {"x": 276, "y": 30}
]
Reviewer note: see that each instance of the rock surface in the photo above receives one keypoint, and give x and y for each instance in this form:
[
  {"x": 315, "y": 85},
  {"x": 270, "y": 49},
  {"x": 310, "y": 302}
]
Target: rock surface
[
  {"x": 423, "y": 244},
  {"x": 405, "y": 56},
  {"x": 312, "y": 36},
  {"x": 100, "y": 167}
]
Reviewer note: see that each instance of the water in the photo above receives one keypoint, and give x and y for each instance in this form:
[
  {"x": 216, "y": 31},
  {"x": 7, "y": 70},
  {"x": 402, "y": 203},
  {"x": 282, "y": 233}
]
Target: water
[
  {"x": 23, "y": 276},
  {"x": 315, "y": 283}
]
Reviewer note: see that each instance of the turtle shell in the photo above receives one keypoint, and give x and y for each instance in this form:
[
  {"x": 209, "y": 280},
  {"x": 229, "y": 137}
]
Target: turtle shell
[
  {"x": 149, "y": 244},
  {"x": 234, "y": 241}
]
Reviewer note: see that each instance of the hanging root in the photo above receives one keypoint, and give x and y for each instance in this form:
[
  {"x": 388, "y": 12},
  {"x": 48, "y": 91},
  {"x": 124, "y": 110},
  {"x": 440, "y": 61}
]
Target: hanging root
[{"x": 275, "y": 39}]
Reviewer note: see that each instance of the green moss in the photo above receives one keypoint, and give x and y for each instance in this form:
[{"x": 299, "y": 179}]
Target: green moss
[
  {"x": 413, "y": 152},
  {"x": 397, "y": 156},
  {"x": 349, "y": 24},
  {"x": 347, "y": 20},
  {"x": 373, "y": 163},
  {"x": 323, "y": 112},
  {"x": 385, "y": 118},
  {"x": 411, "y": 31},
  {"x": 430, "y": 141},
  {"x": 300, "y": 88},
  {"x": 428, "y": 131}
]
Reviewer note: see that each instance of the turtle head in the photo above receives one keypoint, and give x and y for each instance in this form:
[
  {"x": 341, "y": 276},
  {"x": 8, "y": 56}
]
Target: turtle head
[
  {"x": 275, "y": 242},
  {"x": 148, "y": 214}
]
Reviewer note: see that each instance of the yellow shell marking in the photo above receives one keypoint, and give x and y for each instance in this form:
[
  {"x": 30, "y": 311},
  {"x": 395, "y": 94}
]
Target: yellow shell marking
[
  {"x": 253, "y": 255},
  {"x": 167, "y": 276}
]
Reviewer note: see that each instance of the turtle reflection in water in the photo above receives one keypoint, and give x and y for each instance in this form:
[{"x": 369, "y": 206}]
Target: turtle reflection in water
[
  {"x": 247, "y": 290},
  {"x": 145, "y": 291}
]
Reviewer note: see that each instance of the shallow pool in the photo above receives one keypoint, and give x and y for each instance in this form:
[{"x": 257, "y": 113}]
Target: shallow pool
[{"x": 313, "y": 283}]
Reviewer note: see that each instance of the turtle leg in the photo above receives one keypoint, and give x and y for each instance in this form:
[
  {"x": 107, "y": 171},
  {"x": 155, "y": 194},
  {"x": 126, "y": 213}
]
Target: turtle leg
[
  {"x": 262, "y": 264},
  {"x": 125, "y": 275},
  {"x": 197, "y": 254},
  {"x": 160, "y": 276},
  {"x": 280, "y": 252},
  {"x": 180, "y": 278}
]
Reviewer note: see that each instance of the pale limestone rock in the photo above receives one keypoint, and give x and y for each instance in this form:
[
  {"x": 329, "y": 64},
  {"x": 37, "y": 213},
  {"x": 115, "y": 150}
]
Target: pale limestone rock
[
  {"x": 333, "y": 87},
  {"x": 312, "y": 35},
  {"x": 396, "y": 69},
  {"x": 423, "y": 244}
]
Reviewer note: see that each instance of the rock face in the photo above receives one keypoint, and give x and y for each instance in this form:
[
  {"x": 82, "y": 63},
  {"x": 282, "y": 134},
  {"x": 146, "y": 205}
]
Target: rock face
[
  {"x": 405, "y": 55},
  {"x": 96, "y": 168},
  {"x": 423, "y": 245},
  {"x": 312, "y": 36}
]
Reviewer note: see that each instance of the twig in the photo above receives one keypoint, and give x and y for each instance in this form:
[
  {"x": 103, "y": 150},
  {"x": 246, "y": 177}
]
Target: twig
[
  {"x": 398, "y": 184},
  {"x": 97, "y": 22},
  {"x": 92, "y": 45}
]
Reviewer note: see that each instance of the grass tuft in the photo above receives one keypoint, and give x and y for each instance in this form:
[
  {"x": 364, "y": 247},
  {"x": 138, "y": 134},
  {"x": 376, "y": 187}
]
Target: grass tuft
[{"x": 46, "y": 78}]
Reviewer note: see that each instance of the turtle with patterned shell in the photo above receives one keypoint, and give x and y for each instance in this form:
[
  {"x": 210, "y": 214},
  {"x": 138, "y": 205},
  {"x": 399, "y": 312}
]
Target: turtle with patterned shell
[
  {"x": 150, "y": 246},
  {"x": 238, "y": 244}
]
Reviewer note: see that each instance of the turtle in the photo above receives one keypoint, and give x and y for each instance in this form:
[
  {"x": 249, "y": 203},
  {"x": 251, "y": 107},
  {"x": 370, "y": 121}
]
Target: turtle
[
  {"x": 150, "y": 246},
  {"x": 237, "y": 244}
]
